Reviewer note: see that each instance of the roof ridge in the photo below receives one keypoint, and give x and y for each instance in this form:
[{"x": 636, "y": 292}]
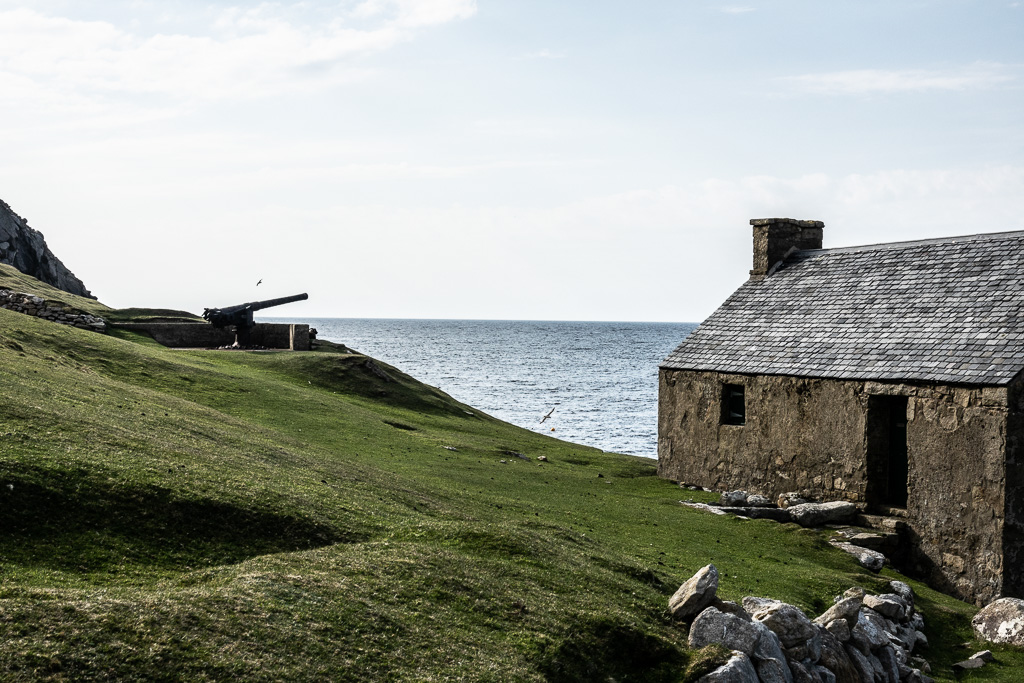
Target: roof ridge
[{"x": 910, "y": 243}]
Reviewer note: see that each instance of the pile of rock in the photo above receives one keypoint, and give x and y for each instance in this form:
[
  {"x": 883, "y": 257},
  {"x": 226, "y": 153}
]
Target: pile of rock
[
  {"x": 33, "y": 305},
  {"x": 798, "y": 509},
  {"x": 861, "y": 638}
]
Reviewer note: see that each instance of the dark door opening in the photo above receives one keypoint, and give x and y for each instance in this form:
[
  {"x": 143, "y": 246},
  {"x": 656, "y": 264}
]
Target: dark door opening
[{"x": 887, "y": 461}]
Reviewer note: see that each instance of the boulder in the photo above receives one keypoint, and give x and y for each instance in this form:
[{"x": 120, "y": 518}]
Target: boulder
[
  {"x": 835, "y": 659},
  {"x": 769, "y": 659},
  {"x": 968, "y": 664},
  {"x": 773, "y": 513},
  {"x": 787, "y": 500},
  {"x": 754, "y": 604},
  {"x": 903, "y": 590},
  {"x": 808, "y": 650},
  {"x": 818, "y": 514},
  {"x": 695, "y": 594},
  {"x": 867, "y": 635},
  {"x": 759, "y": 501},
  {"x": 738, "y": 669},
  {"x": 730, "y": 607},
  {"x": 787, "y": 622},
  {"x": 731, "y": 499},
  {"x": 839, "y": 629},
  {"x": 890, "y": 664},
  {"x": 861, "y": 663},
  {"x": 1001, "y": 621},
  {"x": 890, "y": 605},
  {"x": 847, "y": 609},
  {"x": 867, "y": 558},
  {"x": 825, "y": 675},
  {"x": 713, "y": 626},
  {"x": 803, "y": 674}
]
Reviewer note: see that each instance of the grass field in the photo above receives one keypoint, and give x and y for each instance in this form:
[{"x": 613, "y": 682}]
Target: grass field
[{"x": 202, "y": 515}]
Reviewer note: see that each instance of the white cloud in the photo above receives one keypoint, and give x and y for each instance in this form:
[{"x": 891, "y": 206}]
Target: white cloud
[
  {"x": 547, "y": 54},
  {"x": 737, "y": 10},
  {"x": 866, "y": 81},
  {"x": 242, "y": 53}
]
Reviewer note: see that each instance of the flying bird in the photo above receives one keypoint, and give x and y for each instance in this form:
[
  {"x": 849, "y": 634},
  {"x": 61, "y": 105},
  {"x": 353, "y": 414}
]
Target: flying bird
[
  {"x": 544, "y": 419},
  {"x": 260, "y": 282}
]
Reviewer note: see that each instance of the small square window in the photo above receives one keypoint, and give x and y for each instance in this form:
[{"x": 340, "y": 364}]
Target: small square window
[{"x": 734, "y": 409}]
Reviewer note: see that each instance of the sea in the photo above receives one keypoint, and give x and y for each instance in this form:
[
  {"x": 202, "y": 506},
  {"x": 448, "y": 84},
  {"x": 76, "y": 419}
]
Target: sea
[{"x": 597, "y": 382}]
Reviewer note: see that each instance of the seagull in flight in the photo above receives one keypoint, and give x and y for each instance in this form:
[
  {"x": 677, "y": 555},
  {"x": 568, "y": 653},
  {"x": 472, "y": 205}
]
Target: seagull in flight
[
  {"x": 260, "y": 282},
  {"x": 544, "y": 419}
]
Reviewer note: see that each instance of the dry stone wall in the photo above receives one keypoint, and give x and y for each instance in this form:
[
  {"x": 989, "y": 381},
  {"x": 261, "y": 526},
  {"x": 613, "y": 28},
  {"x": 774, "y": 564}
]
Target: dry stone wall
[
  {"x": 25, "y": 249},
  {"x": 29, "y": 304}
]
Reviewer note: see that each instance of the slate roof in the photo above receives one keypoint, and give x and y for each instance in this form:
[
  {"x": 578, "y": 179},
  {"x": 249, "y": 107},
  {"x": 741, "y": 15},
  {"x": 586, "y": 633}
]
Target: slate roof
[{"x": 944, "y": 310}]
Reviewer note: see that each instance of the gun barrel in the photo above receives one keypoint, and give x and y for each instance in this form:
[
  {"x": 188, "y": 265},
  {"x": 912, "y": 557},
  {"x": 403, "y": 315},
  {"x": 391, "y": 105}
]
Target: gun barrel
[{"x": 270, "y": 303}]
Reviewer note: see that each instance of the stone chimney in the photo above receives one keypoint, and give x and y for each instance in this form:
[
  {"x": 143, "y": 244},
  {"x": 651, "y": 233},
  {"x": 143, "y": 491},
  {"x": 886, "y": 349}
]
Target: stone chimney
[{"x": 777, "y": 238}]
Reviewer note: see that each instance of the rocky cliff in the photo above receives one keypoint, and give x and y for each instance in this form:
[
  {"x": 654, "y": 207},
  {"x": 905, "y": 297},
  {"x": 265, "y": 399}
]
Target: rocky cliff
[{"x": 26, "y": 250}]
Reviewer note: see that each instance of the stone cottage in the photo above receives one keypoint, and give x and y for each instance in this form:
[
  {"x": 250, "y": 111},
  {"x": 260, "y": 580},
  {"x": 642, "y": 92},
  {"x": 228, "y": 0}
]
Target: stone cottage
[{"x": 889, "y": 375}]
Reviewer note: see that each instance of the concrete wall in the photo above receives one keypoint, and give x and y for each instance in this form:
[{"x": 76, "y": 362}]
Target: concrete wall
[
  {"x": 203, "y": 335},
  {"x": 812, "y": 435}
]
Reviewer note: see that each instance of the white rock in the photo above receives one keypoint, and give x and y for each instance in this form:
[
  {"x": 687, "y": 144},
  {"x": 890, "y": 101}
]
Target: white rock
[
  {"x": 695, "y": 594},
  {"x": 1001, "y": 621}
]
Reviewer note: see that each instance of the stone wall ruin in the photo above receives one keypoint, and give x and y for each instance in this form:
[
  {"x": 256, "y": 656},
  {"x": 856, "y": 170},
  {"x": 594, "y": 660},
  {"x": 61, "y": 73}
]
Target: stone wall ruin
[{"x": 29, "y": 304}]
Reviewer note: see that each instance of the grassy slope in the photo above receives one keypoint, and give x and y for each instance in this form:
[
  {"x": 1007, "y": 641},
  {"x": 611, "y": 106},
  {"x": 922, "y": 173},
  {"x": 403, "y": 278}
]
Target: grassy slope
[{"x": 204, "y": 515}]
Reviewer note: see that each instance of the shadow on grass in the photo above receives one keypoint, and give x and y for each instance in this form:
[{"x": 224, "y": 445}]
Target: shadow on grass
[
  {"x": 78, "y": 520},
  {"x": 604, "y": 649}
]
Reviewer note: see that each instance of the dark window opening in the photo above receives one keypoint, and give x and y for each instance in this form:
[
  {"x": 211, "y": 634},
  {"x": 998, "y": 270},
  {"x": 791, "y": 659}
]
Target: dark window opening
[
  {"x": 887, "y": 458},
  {"x": 734, "y": 409}
]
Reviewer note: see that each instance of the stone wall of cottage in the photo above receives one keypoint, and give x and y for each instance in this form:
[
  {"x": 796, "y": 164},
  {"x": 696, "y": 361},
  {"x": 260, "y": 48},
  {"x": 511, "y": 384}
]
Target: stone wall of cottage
[
  {"x": 1013, "y": 531},
  {"x": 30, "y": 304},
  {"x": 810, "y": 435}
]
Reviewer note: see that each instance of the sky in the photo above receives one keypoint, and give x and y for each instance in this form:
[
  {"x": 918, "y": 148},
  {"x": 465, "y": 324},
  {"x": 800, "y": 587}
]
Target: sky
[{"x": 496, "y": 159}]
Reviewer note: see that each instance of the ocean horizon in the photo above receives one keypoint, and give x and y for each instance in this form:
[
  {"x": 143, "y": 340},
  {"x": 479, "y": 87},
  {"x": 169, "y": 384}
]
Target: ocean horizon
[{"x": 600, "y": 378}]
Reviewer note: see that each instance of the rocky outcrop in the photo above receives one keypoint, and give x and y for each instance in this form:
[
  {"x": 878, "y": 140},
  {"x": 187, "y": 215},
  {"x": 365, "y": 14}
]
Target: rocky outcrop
[
  {"x": 26, "y": 250},
  {"x": 860, "y": 639}
]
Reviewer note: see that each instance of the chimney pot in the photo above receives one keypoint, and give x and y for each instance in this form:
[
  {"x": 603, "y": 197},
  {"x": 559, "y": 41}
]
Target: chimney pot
[{"x": 777, "y": 238}]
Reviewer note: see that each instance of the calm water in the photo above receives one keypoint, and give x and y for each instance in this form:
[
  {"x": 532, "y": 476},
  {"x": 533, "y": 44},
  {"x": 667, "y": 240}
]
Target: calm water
[{"x": 600, "y": 377}]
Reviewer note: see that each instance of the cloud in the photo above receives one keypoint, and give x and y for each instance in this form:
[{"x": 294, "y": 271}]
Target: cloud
[
  {"x": 866, "y": 81},
  {"x": 737, "y": 10},
  {"x": 253, "y": 52},
  {"x": 547, "y": 54}
]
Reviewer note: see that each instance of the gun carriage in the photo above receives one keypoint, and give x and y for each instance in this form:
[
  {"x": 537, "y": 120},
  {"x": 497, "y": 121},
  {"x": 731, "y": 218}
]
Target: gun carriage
[{"x": 240, "y": 316}]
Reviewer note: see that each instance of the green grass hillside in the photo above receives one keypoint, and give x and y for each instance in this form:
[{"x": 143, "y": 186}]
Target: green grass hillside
[{"x": 202, "y": 515}]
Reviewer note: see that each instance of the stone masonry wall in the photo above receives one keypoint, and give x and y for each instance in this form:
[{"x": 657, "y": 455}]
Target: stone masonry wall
[
  {"x": 37, "y": 306},
  {"x": 204, "y": 335},
  {"x": 26, "y": 250},
  {"x": 1013, "y": 530},
  {"x": 810, "y": 435}
]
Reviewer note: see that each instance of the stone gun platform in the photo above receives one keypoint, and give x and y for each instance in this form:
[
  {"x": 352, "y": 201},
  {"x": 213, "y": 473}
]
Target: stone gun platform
[{"x": 203, "y": 335}]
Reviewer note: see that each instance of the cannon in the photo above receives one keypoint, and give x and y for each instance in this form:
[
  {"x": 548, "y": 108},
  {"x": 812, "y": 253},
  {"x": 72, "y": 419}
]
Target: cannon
[{"x": 241, "y": 315}]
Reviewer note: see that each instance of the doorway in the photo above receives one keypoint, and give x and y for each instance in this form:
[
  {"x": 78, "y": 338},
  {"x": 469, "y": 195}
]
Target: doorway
[{"x": 887, "y": 462}]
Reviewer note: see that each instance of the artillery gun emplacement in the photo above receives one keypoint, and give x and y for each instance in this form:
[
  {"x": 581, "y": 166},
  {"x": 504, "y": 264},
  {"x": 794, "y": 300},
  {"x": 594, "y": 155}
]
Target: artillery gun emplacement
[{"x": 240, "y": 316}]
